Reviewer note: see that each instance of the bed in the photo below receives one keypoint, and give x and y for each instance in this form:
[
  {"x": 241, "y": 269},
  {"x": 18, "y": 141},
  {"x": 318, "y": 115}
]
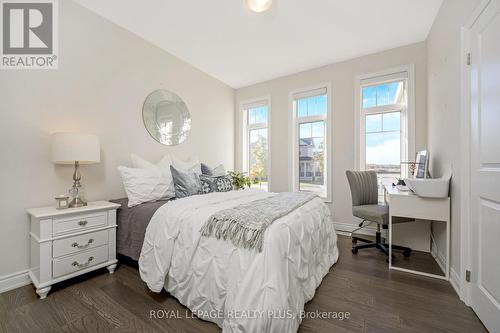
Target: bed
[{"x": 241, "y": 290}]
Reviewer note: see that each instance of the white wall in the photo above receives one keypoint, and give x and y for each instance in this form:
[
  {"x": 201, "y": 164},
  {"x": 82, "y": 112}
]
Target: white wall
[
  {"x": 104, "y": 75},
  {"x": 444, "y": 91},
  {"x": 342, "y": 76}
]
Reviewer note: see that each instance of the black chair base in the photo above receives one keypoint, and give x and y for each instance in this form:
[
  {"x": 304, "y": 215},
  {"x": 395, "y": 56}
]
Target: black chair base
[{"x": 384, "y": 247}]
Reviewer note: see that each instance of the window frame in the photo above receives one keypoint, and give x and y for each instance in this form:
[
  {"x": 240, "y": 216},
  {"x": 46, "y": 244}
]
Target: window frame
[
  {"x": 407, "y": 73},
  {"x": 244, "y": 107},
  {"x": 294, "y": 123}
]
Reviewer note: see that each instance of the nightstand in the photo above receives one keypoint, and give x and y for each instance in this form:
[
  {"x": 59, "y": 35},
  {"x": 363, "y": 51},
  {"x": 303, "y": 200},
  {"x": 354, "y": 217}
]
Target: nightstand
[{"x": 69, "y": 242}]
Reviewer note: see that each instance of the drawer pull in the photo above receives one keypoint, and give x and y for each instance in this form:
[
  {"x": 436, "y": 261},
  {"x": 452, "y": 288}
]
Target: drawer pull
[
  {"x": 84, "y": 246},
  {"x": 76, "y": 263},
  {"x": 83, "y": 223}
]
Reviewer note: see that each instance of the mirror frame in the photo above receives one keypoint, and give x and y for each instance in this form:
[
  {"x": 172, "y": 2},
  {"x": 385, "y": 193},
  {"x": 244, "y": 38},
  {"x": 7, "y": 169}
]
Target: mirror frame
[{"x": 162, "y": 95}]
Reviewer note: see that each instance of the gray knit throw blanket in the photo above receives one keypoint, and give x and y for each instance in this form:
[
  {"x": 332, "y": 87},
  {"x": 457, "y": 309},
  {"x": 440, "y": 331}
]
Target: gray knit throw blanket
[{"x": 245, "y": 224}]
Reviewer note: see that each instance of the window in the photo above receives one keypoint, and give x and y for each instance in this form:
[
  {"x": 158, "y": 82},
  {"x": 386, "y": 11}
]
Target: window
[
  {"x": 256, "y": 142},
  {"x": 384, "y": 126},
  {"x": 311, "y": 141}
]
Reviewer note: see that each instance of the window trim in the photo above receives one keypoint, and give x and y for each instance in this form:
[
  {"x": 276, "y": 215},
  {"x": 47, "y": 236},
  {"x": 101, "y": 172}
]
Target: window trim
[
  {"x": 244, "y": 106},
  {"x": 409, "y": 112},
  {"x": 293, "y": 165}
]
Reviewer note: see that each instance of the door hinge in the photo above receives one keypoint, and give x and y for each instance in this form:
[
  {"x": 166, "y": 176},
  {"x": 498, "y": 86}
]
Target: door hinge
[
  {"x": 468, "y": 59},
  {"x": 467, "y": 275}
]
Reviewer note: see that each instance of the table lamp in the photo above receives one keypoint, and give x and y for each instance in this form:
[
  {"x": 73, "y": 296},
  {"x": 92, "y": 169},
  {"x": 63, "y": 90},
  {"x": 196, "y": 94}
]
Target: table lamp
[{"x": 75, "y": 148}]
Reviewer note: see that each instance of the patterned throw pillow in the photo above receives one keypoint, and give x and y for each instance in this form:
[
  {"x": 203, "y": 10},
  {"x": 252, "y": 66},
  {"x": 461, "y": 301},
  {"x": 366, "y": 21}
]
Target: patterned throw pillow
[
  {"x": 211, "y": 184},
  {"x": 207, "y": 184},
  {"x": 224, "y": 183}
]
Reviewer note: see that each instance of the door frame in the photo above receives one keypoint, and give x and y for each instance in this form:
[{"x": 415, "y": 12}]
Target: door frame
[{"x": 465, "y": 129}]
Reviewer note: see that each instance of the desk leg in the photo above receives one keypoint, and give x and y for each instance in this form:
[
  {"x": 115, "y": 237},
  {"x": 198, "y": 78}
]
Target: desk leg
[
  {"x": 448, "y": 236},
  {"x": 390, "y": 238}
]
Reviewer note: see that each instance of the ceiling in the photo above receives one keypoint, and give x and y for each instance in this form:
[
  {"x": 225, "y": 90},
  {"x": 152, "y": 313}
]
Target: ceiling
[{"x": 229, "y": 42}]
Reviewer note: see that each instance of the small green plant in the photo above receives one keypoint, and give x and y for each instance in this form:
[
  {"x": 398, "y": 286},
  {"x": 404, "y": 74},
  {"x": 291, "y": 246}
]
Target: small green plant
[{"x": 241, "y": 180}]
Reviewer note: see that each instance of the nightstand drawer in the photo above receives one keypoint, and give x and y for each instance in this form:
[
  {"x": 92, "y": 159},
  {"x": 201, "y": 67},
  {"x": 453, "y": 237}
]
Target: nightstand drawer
[
  {"x": 79, "y": 223},
  {"x": 79, "y": 261},
  {"x": 79, "y": 243}
]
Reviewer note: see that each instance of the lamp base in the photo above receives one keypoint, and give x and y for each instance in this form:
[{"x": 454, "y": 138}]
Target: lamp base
[
  {"x": 76, "y": 190},
  {"x": 77, "y": 202}
]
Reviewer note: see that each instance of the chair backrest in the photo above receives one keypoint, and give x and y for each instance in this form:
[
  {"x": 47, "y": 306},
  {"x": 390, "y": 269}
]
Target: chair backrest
[{"x": 364, "y": 189}]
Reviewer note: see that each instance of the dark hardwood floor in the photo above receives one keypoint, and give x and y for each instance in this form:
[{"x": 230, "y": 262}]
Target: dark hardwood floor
[
  {"x": 378, "y": 301},
  {"x": 420, "y": 261}
]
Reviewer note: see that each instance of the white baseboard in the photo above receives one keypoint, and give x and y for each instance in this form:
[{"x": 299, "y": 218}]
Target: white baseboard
[
  {"x": 439, "y": 257},
  {"x": 455, "y": 282},
  {"x": 346, "y": 229},
  {"x": 13, "y": 281},
  {"x": 454, "y": 276}
]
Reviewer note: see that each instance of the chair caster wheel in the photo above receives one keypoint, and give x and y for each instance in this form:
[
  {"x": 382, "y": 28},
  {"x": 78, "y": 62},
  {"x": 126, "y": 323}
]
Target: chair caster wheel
[
  {"x": 407, "y": 253},
  {"x": 354, "y": 250}
]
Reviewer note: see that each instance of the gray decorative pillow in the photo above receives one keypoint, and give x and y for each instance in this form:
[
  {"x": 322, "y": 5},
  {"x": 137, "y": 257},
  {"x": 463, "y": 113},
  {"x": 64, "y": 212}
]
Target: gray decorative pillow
[
  {"x": 186, "y": 182},
  {"x": 211, "y": 184},
  {"x": 206, "y": 170},
  {"x": 217, "y": 171}
]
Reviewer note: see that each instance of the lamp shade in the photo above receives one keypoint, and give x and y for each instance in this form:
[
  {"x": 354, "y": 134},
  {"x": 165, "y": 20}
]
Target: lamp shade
[{"x": 68, "y": 148}]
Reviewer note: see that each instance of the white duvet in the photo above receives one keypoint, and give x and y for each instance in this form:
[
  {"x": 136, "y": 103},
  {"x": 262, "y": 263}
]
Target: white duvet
[{"x": 241, "y": 290}]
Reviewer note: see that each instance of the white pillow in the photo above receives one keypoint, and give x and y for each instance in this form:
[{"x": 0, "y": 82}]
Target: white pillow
[
  {"x": 143, "y": 185},
  {"x": 163, "y": 166},
  {"x": 219, "y": 170},
  {"x": 191, "y": 163},
  {"x": 139, "y": 162}
]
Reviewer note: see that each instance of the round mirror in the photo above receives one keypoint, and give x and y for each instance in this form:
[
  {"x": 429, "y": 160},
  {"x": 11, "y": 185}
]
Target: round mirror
[{"x": 166, "y": 117}]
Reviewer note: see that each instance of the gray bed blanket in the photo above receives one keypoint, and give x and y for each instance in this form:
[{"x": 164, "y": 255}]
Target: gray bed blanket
[
  {"x": 245, "y": 224},
  {"x": 132, "y": 223}
]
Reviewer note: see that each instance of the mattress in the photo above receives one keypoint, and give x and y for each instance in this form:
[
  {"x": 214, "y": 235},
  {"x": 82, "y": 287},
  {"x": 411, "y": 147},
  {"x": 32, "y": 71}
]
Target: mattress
[{"x": 132, "y": 223}]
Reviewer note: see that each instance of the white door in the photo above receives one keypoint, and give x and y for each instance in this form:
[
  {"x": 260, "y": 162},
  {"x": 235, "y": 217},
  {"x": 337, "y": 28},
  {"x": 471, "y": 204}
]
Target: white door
[{"x": 485, "y": 166}]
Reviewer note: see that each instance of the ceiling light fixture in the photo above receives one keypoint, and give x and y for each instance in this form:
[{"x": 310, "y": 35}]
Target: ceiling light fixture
[{"x": 259, "y": 6}]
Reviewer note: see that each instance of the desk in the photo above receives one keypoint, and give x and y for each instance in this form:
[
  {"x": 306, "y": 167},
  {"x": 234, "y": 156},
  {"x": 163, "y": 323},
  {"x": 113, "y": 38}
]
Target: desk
[{"x": 407, "y": 204}]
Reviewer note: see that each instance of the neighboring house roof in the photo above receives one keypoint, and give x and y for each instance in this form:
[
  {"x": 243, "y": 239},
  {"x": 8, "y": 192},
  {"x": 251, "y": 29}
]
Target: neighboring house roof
[{"x": 306, "y": 142}]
